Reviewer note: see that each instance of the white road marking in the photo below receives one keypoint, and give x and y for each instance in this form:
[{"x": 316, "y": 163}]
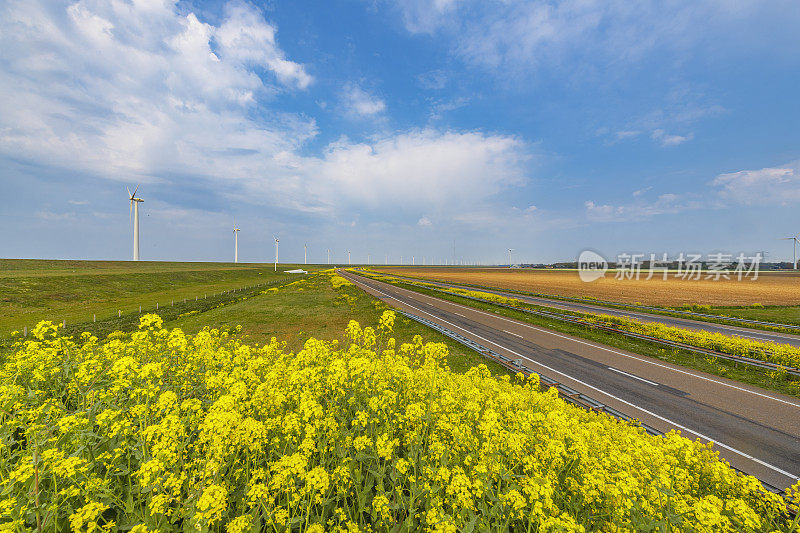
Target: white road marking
[
  {"x": 634, "y": 377},
  {"x": 512, "y": 333},
  {"x": 737, "y": 331},
  {"x": 667, "y": 420},
  {"x": 600, "y": 347}
]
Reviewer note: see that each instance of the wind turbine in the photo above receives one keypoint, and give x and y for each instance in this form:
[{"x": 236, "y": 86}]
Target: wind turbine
[
  {"x": 305, "y": 254},
  {"x": 329, "y": 256},
  {"x": 794, "y": 256},
  {"x": 348, "y": 257},
  {"x": 135, "y": 211},
  {"x": 276, "y": 252},
  {"x": 509, "y": 256},
  {"x": 235, "y": 242}
]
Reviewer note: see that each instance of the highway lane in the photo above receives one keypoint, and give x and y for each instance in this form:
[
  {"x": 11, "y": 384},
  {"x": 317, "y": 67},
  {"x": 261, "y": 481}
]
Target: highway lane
[
  {"x": 739, "y": 331},
  {"x": 757, "y": 431}
]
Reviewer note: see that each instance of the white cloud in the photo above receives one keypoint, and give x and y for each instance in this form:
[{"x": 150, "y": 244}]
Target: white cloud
[
  {"x": 139, "y": 91},
  {"x": 440, "y": 107},
  {"x": 419, "y": 169},
  {"x": 523, "y": 35},
  {"x": 666, "y": 139},
  {"x": 145, "y": 92},
  {"x": 768, "y": 186},
  {"x": 424, "y": 221},
  {"x": 639, "y": 209},
  {"x": 425, "y": 16},
  {"x": 359, "y": 102},
  {"x": 627, "y": 134}
]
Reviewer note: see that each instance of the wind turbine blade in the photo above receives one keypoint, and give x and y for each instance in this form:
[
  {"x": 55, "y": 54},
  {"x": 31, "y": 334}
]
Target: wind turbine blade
[
  {"x": 129, "y": 191},
  {"x": 130, "y": 215},
  {"x": 134, "y": 190}
]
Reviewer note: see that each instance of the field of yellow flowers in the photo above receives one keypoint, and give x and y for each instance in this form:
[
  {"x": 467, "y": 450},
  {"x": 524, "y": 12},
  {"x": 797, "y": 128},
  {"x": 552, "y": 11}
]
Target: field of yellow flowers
[{"x": 160, "y": 431}]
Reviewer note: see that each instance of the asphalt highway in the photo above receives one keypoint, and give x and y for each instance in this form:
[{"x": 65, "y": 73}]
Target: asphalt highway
[
  {"x": 749, "y": 333},
  {"x": 756, "y": 430}
]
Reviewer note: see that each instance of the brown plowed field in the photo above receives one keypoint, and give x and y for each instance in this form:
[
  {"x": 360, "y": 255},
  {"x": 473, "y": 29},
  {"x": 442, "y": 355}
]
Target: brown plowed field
[{"x": 775, "y": 288}]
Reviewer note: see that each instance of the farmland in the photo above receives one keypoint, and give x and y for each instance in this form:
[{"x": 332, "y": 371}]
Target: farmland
[
  {"x": 238, "y": 382},
  {"x": 770, "y": 289}
]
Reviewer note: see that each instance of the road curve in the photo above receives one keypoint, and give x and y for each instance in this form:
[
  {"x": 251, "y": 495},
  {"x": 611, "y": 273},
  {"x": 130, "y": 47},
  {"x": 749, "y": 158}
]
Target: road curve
[
  {"x": 738, "y": 331},
  {"x": 756, "y": 430}
]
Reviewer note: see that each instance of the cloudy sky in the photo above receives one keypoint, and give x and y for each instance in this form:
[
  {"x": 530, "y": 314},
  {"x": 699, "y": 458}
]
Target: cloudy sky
[{"x": 399, "y": 127}]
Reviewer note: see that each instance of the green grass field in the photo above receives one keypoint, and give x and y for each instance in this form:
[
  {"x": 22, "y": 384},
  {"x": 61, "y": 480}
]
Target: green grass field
[
  {"x": 291, "y": 312},
  {"x": 75, "y": 291}
]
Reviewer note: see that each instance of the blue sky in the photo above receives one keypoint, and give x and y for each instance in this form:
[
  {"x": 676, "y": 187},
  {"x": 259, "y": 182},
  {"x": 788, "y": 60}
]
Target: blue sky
[{"x": 399, "y": 127}]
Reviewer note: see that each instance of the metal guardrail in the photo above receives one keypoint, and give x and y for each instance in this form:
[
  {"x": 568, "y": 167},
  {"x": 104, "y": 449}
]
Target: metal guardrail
[
  {"x": 564, "y": 391},
  {"x": 615, "y": 305},
  {"x": 673, "y": 344}
]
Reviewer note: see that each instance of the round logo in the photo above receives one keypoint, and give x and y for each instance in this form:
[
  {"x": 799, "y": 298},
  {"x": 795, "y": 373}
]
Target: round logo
[{"x": 591, "y": 266}]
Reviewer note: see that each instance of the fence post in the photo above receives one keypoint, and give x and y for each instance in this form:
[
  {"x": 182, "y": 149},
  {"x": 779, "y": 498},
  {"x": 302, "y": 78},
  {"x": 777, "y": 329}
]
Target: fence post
[
  {"x": 64, "y": 323},
  {"x": 94, "y": 317},
  {"x": 156, "y": 306},
  {"x": 119, "y": 313},
  {"x": 140, "y": 309},
  {"x": 25, "y": 331}
]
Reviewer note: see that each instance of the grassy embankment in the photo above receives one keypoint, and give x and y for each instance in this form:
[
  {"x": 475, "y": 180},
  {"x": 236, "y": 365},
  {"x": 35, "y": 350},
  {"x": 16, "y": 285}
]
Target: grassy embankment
[{"x": 74, "y": 290}]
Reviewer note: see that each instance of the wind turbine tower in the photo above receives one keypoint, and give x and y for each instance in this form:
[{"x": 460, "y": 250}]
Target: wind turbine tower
[
  {"x": 276, "y": 252},
  {"x": 794, "y": 254},
  {"x": 305, "y": 254},
  {"x": 235, "y": 242},
  {"x": 509, "y": 256},
  {"x": 348, "y": 257},
  {"x": 329, "y": 256},
  {"x": 135, "y": 210}
]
